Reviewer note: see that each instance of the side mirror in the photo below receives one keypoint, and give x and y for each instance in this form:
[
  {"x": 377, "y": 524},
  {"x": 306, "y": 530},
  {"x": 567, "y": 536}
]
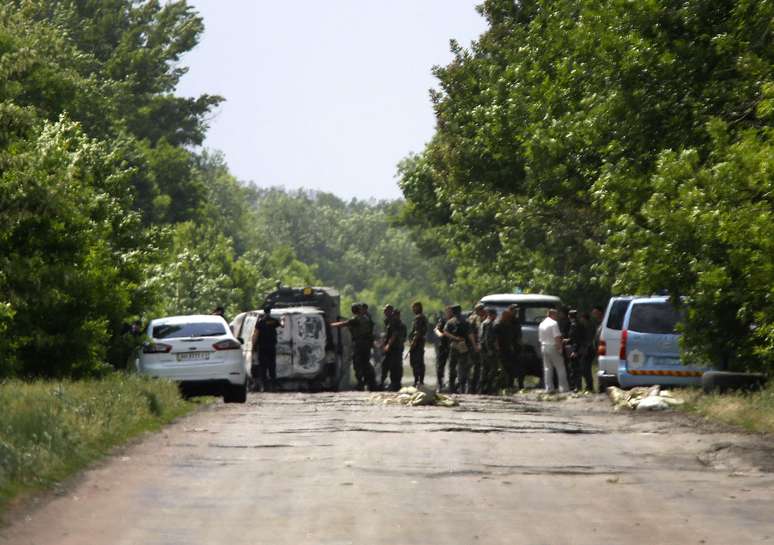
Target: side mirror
[{"x": 241, "y": 340}]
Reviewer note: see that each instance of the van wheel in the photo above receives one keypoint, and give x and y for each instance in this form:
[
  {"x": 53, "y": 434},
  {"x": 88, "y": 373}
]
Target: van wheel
[
  {"x": 603, "y": 383},
  {"x": 722, "y": 381},
  {"x": 235, "y": 393}
]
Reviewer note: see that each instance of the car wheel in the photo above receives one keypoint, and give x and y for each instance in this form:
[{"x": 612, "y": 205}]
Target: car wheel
[
  {"x": 722, "y": 381},
  {"x": 235, "y": 393}
]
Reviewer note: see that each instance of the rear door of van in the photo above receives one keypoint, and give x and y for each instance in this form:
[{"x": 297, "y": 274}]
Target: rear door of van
[{"x": 610, "y": 336}]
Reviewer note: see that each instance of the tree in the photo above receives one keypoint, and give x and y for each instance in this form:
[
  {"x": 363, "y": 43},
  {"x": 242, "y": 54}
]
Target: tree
[
  {"x": 64, "y": 232},
  {"x": 551, "y": 129}
]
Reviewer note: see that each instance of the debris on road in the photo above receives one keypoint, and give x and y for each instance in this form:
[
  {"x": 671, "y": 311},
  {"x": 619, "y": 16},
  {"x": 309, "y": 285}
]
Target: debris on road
[
  {"x": 651, "y": 398},
  {"x": 414, "y": 397},
  {"x": 560, "y": 396}
]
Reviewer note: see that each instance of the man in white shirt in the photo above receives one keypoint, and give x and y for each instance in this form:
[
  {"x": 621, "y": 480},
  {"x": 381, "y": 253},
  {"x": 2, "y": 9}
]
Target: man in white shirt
[{"x": 551, "y": 346}]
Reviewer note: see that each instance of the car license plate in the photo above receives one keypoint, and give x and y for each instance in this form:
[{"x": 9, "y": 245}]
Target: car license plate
[{"x": 193, "y": 356}]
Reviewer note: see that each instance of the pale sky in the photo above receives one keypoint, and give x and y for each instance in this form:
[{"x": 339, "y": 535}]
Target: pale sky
[{"x": 324, "y": 95}]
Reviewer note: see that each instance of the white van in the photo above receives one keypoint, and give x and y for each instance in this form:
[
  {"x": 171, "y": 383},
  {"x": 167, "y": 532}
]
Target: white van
[
  {"x": 608, "y": 351},
  {"x": 305, "y": 355},
  {"x": 533, "y": 308}
]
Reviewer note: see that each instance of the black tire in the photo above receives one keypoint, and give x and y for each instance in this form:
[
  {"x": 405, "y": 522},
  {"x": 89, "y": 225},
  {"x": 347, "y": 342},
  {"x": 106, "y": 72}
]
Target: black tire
[
  {"x": 235, "y": 393},
  {"x": 603, "y": 383},
  {"x": 723, "y": 381}
]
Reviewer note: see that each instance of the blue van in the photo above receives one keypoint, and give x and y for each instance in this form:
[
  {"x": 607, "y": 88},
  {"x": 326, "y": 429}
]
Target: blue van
[{"x": 650, "y": 352}]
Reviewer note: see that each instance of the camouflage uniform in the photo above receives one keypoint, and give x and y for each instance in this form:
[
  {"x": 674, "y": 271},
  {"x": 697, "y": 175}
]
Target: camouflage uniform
[
  {"x": 488, "y": 357},
  {"x": 441, "y": 353},
  {"x": 417, "y": 352},
  {"x": 508, "y": 335},
  {"x": 393, "y": 358},
  {"x": 459, "y": 360},
  {"x": 362, "y": 330},
  {"x": 474, "y": 321}
]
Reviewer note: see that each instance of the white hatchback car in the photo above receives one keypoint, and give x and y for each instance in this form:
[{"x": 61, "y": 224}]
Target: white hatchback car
[{"x": 199, "y": 352}]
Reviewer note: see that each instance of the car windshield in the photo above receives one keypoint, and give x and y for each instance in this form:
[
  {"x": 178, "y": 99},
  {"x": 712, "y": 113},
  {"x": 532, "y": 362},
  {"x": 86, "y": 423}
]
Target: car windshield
[
  {"x": 193, "y": 329},
  {"x": 661, "y": 318},
  {"x": 617, "y": 312}
]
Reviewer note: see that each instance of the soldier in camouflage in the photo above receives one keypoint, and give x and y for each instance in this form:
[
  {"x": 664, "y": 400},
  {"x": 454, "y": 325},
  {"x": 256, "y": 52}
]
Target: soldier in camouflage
[
  {"x": 394, "y": 338},
  {"x": 441, "y": 351},
  {"x": 461, "y": 342},
  {"x": 417, "y": 347},
  {"x": 489, "y": 362},
  {"x": 475, "y": 320},
  {"x": 362, "y": 332}
]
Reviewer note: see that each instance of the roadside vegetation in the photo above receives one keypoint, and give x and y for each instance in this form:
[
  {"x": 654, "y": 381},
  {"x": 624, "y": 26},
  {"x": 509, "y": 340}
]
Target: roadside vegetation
[
  {"x": 751, "y": 411},
  {"x": 50, "y": 429}
]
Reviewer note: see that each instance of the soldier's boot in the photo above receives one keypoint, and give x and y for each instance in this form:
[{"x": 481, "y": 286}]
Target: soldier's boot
[{"x": 452, "y": 382}]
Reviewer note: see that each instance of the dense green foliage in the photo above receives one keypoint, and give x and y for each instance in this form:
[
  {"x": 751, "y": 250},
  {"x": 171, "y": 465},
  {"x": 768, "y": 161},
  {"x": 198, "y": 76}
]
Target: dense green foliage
[
  {"x": 110, "y": 212},
  {"x": 48, "y": 430},
  {"x": 582, "y": 148},
  {"x": 597, "y": 146},
  {"x": 93, "y": 168}
]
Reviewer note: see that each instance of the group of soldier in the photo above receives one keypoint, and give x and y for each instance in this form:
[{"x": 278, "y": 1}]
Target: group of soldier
[
  {"x": 361, "y": 329},
  {"x": 483, "y": 352},
  {"x": 479, "y": 351}
]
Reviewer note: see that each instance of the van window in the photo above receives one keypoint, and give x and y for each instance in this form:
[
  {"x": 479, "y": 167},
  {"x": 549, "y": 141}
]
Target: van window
[
  {"x": 661, "y": 318},
  {"x": 617, "y": 312},
  {"x": 530, "y": 313},
  {"x": 534, "y": 315}
]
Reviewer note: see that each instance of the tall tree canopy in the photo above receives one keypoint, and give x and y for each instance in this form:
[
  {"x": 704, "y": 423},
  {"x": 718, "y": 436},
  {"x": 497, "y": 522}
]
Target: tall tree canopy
[
  {"x": 94, "y": 165},
  {"x": 569, "y": 139}
]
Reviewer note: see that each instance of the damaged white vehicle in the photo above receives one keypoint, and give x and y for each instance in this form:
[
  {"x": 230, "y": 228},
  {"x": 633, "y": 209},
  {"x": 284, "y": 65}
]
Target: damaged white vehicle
[{"x": 306, "y": 357}]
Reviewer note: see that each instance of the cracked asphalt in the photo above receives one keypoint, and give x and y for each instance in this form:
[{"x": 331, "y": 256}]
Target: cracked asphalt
[{"x": 338, "y": 469}]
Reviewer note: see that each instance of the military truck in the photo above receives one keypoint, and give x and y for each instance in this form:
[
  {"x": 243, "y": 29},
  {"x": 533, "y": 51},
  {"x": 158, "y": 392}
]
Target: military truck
[{"x": 310, "y": 354}]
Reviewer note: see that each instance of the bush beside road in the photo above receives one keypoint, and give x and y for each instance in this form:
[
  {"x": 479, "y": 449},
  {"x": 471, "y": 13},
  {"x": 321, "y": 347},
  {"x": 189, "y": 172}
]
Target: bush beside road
[
  {"x": 751, "y": 411},
  {"x": 49, "y": 430}
]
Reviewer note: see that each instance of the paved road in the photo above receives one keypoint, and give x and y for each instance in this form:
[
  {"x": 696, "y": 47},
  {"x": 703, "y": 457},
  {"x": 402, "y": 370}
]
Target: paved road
[{"x": 336, "y": 469}]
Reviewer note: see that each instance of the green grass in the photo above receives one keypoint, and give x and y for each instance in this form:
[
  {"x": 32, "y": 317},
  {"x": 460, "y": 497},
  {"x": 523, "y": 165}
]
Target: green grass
[
  {"x": 752, "y": 411},
  {"x": 49, "y": 430}
]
